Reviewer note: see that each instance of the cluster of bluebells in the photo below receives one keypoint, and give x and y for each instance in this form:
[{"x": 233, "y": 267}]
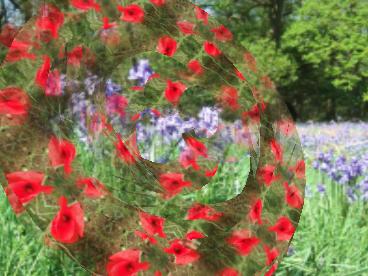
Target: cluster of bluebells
[
  {"x": 341, "y": 154},
  {"x": 347, "y": 137},
  {"x": 81, "y": 105},
  {"x": 166, "y": 129},
  {"x": 342, "y": 171}
]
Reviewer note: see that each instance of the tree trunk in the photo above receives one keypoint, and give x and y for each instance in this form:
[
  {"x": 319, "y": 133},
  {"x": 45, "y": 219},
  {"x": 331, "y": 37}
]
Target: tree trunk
[{"x": 276, "y": 20}]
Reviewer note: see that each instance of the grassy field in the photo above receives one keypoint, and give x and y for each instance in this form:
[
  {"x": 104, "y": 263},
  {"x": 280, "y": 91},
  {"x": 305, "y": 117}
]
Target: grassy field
[{"x": 332, "y": 238}]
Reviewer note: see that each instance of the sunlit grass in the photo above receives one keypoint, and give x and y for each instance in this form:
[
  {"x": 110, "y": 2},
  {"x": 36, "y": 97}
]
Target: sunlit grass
[{"x": 332, "y": 236}]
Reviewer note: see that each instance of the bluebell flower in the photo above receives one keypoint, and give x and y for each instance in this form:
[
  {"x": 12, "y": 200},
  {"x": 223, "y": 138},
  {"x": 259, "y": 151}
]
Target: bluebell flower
[
  {"x": 112, "y": 88},
  {"x": 321, "y": 188},
  {"x": 140, "y": 72},
  {"x": 208, "y": 121},
  {"x": 351, "y": 194}
]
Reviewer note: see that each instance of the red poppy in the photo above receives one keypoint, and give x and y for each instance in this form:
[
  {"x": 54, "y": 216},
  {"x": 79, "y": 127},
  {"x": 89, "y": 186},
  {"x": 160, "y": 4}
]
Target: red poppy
[
  {"x": 49, "y": 22},
  {"x": 8, "y": 32},
  {"x": 271, "y": 254},
  {"x": 211, "y": 173},
  {"x": 14, "y": 101},
  {"x": 229, "y": 271},
  {"x": 188, "y": 159},
  {"x": 222, "y": 33},
  {"x": 137, "y": 88},
  {"x": 173, "y": 91},
  {"x": 75, "y": 56},
  {"x": 116, "y": 104},
  {"x": 85, "y": 5},
  {"x": 92, "y": 187},
  {"x": 131, "y": 142},
  {"x": 283, "y": 228},
  {"x": 254, "y": 113},
  {"x": 256, "y": 212},
  {"x": 201, "y": 15},
  {"x": 251, "y": 61},
  {"x": 204, "y": 212},
  {"x": 186, "y": 27},
  {"x": 135, "y": 117},
  {"x": 156, "y": 112},
  {"x": 132, "y": 13},
  {"x": 158, "y": 273},
  {"x": 126, "y": 262},
  {"x": 195, "y": 66},
  {"x": 27, "y": 185},
  {"x": 194, "y": 235},
  {"x": 167, "y": 46},
  {"x": 239, "y": 75},
  {"x": 267, "y": 175},
  {"x": 229, "y": 97},
  {"x": 211, "y": 49},
  {"x": 14, "y": 201},
  {"x": 53, "y": 84},
  {"x": 19, "y": 50},
  {"x": 95, "y": 125},
  {"x": 106, "y": 24},
  {"x": 243, "y": 242},
  {"x": 173, "y": 183},
  {"x": 272, "y": 270},
  {"x": 145, "y": 237},
  {"x": 183, "y": 254},
  {"x": 106, "y": 125},
  {"x": 43, "y": 72},
  {"x": 286, "y": 127},
  {"x": 276, "y": 150},
  {"x": 152, "y": 224},
  {"x": 292, "y": 196},
  {"x": 299, "y": 169},
  {"x": 196, "y": 146},
  {"x": 158, "y": 3},
  {"x": 61, "y": 153},
  {"x": 154, "y": 76},
  {"x": 123, "y": 151},
  {"x": 68, "y": 224}
]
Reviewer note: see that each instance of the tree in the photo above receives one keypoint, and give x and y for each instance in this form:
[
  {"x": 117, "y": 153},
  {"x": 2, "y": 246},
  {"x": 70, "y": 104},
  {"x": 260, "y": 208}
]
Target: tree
[
  {"x": 255, "y": 17},
  {"x": 329, "y": 40}
]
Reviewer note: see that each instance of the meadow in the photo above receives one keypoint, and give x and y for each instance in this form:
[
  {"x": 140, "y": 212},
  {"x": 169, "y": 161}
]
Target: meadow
[
  {"x": 318, "y": 81},
  {"x": 331, "y": 238}
]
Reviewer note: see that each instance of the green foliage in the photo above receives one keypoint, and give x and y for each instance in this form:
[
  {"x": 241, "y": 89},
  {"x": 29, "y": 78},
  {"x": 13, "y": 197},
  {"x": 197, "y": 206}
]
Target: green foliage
[
  {"x": 332, "y": 36},
  {"x": 315, "y": 51},
  {"x": 279, "y": 66}
]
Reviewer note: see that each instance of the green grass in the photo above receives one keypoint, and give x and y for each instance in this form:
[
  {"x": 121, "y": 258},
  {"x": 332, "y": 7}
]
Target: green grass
[
  {"x": 22, "y": 250},
  {"x": 332, "y": 238}
]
